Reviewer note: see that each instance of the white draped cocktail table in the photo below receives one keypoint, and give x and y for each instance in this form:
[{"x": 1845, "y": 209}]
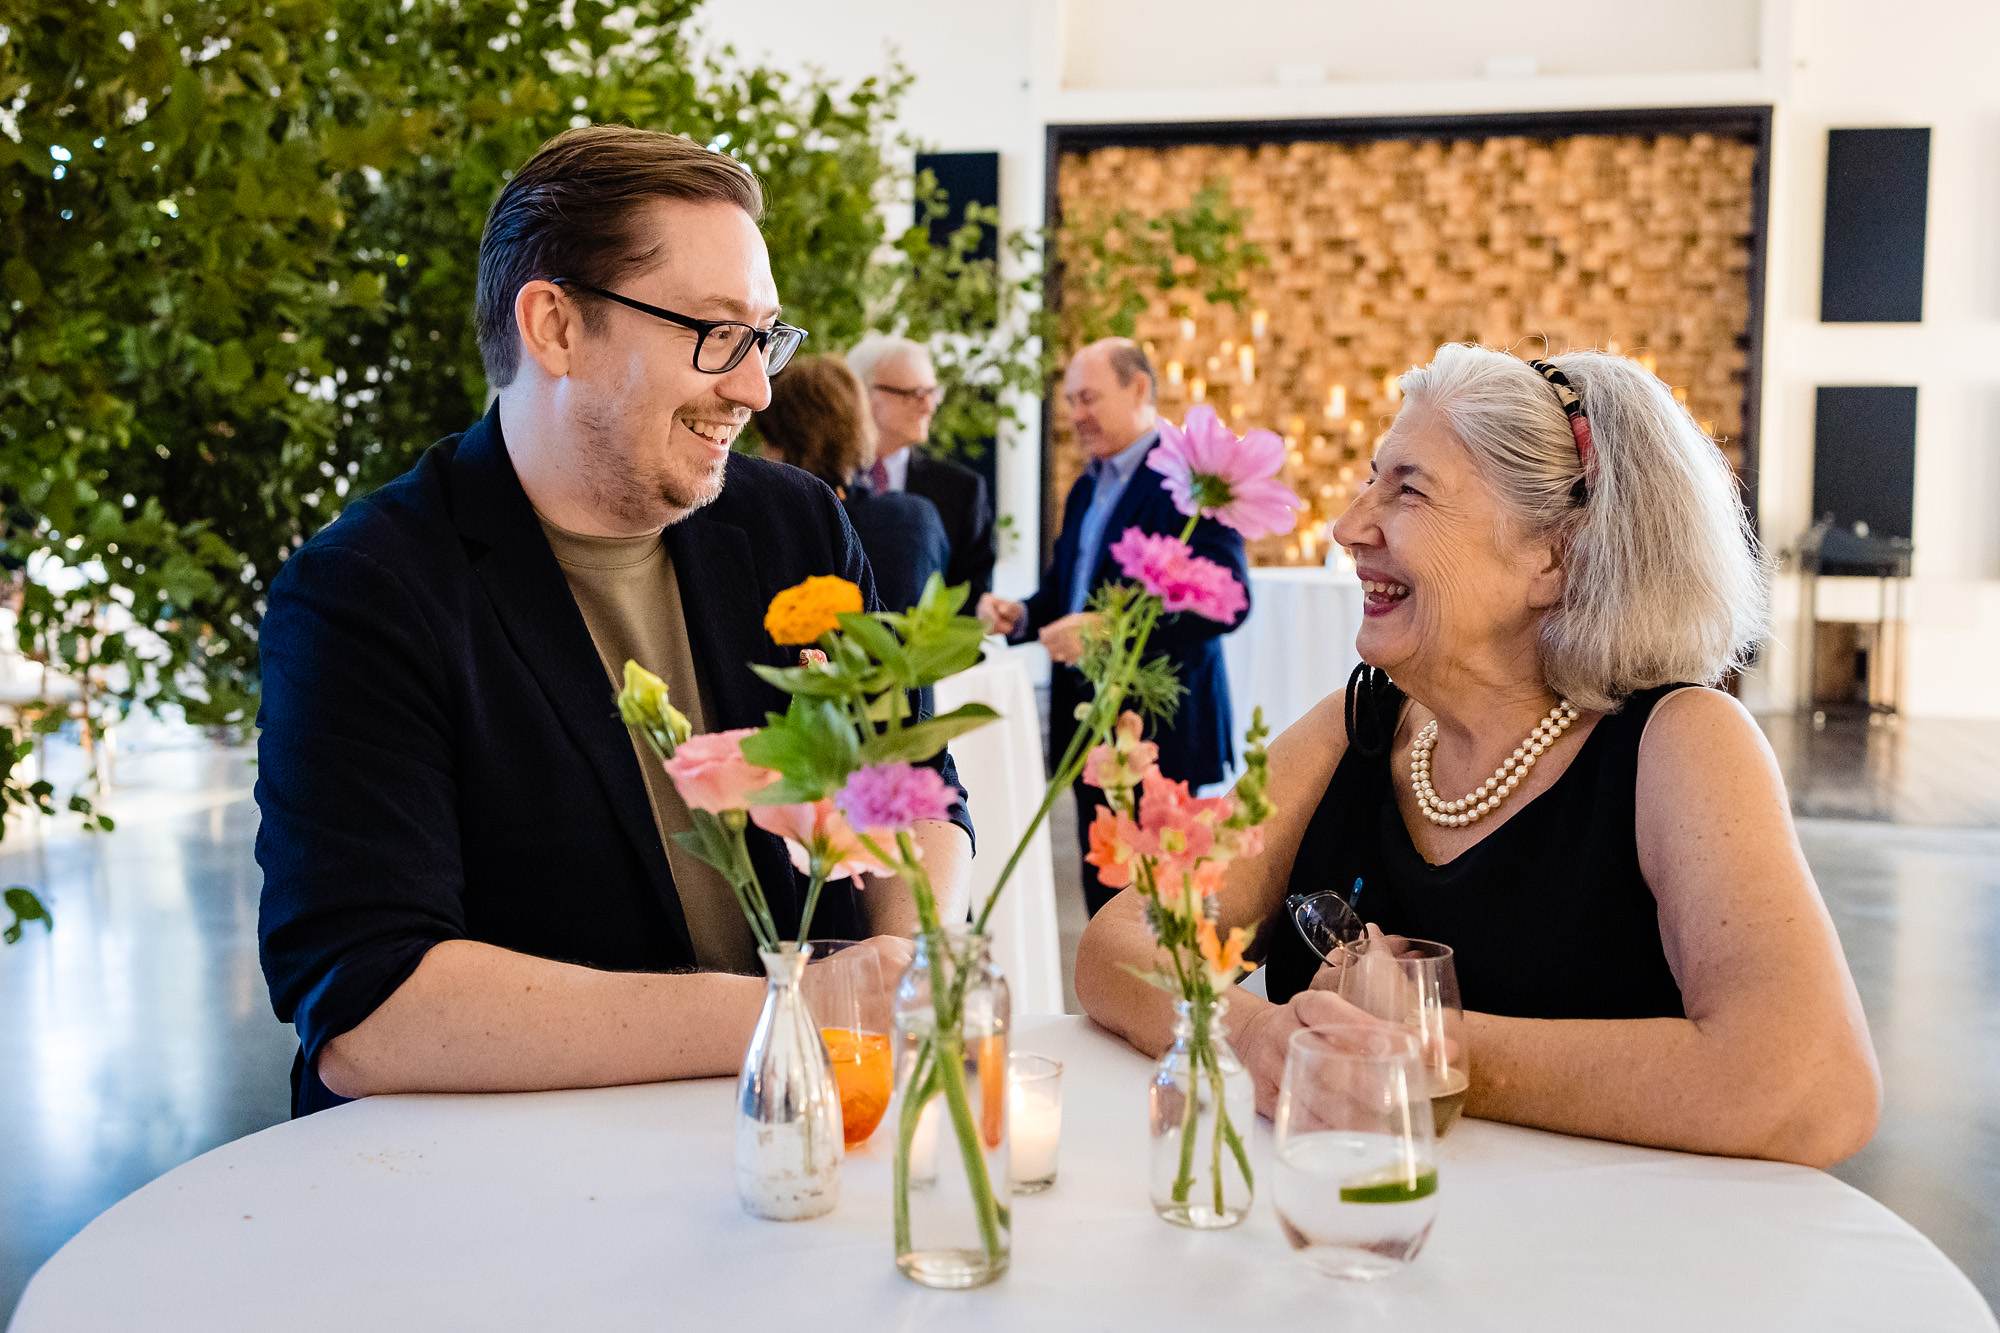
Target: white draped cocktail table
[{"x": 616, "y": 1209}]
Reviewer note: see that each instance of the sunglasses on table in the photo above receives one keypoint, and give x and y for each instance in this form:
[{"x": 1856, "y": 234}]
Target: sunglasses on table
[{"x": 719, "y": 344}]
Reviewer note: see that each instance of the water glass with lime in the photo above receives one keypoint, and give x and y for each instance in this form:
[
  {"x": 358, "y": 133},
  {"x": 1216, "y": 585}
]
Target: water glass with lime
[{"x": 1356, "y": 1181}]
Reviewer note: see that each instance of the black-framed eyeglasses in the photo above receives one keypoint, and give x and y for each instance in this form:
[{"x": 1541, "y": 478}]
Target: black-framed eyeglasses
[
  {"x": 719, "y": 344},
  {"x": 932, "y": 396}
]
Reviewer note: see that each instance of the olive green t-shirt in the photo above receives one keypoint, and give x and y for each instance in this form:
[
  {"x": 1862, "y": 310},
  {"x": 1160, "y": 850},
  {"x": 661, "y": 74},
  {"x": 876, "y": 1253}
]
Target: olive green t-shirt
[{"x": 631, "y": 602}]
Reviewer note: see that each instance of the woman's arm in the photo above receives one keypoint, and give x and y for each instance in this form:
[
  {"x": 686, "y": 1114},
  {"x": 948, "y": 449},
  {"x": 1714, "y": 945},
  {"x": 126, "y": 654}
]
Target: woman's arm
[
  {"x": 1302, "y": 762},
  {"x": 1773, "y": 1059}
]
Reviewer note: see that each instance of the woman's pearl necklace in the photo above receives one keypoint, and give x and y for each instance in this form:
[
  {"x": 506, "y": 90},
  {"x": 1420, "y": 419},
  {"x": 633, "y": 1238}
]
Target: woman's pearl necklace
[{"x": 1485, "y": 798}]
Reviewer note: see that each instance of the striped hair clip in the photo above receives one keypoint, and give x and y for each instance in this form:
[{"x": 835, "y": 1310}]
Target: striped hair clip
[{"x": 1579, "y": 426}]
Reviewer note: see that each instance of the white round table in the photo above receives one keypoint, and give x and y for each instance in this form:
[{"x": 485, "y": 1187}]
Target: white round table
[
  {"x": 615, "y": 1209},
  {"x": 1296, "y": 647},
  {"x": 1001, "y": 767}
]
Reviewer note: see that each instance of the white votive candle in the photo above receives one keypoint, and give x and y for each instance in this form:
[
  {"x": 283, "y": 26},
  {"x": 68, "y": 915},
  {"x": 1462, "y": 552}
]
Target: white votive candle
[{"x": 1035, "y": 1120}]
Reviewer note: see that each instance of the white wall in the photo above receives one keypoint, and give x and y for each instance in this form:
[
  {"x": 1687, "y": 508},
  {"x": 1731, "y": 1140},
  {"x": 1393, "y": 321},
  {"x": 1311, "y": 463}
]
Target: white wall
[
  {"x": 995, "y": 75},
  {"x": 972, "y": 94},
  {"x": 1929, "y": 62}
]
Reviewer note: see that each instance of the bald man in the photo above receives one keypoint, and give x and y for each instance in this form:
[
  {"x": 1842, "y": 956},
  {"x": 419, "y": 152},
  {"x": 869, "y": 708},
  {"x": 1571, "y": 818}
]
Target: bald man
[{"x": 1111, "y": 395}]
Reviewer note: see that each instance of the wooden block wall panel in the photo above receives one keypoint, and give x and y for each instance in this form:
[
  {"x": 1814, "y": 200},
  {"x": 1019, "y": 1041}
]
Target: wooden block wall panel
[{"x": 1382, "y": 251}]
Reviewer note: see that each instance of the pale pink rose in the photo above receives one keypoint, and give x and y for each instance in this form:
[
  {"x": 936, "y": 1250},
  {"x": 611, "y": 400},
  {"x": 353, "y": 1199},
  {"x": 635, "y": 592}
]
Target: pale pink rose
[{"x": 710, "y": 772}]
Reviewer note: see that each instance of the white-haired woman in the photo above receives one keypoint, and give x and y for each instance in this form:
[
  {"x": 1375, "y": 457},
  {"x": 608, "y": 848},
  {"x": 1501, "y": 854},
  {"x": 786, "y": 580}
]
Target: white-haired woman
[{"x": 1556, "y": 563}]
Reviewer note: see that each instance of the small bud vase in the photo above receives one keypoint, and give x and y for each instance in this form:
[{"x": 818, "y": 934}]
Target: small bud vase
[
  {"x": 788, "y": 1135},
  {"x": 1202, "y": 1101},
  {"x": 953, "y": 1225}
]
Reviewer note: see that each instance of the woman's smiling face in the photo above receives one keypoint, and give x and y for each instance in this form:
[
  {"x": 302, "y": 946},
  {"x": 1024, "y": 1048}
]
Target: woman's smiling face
[{"x": 1451, "y": 590}]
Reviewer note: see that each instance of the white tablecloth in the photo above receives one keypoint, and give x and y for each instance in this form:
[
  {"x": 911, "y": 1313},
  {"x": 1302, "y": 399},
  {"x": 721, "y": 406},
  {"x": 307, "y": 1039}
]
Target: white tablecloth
[
  {"x": 1002, "y": 768},
  {"x": 616, "y": 1209},
  {"x": 1296, "y": 648}
]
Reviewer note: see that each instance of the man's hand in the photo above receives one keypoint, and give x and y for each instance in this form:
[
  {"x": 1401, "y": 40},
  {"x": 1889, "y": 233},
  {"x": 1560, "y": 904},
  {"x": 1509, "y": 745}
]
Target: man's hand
[
  {"x": 999, "y": 615},
  {"x": 1064, "y": 638}
]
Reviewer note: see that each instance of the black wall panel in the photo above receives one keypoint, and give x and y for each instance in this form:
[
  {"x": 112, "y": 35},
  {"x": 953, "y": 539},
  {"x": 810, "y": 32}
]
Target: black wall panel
[
  {"x": 1877, "y": 194},
  {"x": 1865, "y": 457},
  {"x": 965, "y": 178}
]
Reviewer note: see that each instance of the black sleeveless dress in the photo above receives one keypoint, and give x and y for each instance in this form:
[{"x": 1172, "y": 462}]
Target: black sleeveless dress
[{"x": 1548, "y": 915}]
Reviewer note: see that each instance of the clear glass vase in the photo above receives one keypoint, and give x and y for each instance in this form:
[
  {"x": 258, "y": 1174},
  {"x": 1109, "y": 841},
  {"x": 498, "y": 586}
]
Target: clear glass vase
[
  {"x": 788, "y": 1135},
  {"x": 953, "y": 1223},
  {"x": 1202, "y": 1101}
]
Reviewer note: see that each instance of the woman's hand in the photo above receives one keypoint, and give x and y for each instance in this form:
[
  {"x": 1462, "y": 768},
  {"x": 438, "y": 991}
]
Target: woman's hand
[{"x": 1262, "y": 1037}]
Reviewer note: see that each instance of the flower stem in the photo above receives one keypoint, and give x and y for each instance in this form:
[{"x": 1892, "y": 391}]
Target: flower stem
[
  {"x": 812, "y": 899},
  {"x": 922, "y": 1087}
]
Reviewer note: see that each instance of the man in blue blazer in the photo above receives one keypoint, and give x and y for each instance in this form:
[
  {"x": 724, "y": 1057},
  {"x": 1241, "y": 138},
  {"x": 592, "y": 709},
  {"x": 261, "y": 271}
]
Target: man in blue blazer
[
  {"x": 468, "y": 879},
  {"x": 1111, "y": 395}
]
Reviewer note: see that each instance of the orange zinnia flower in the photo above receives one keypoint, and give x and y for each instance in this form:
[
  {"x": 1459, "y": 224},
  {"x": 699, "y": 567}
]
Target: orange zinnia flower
[{"x": 802, "y": 613}]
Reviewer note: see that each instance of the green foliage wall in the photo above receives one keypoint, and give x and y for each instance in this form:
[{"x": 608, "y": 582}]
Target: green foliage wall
[{"x": 238, "y": 243}]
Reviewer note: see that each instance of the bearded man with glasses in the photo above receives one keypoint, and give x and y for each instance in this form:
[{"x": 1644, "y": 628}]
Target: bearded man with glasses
[{"x": 470, "y": 879}]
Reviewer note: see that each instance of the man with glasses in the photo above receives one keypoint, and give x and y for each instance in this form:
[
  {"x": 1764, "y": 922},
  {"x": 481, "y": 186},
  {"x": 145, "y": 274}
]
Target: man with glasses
[
  {"x": 903, "y": 396},
  {"x": 470, "y": 879}
]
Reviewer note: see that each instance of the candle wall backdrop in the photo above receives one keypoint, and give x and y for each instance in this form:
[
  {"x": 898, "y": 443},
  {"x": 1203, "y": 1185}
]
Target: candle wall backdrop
[{"x": 1380, "y": 250}]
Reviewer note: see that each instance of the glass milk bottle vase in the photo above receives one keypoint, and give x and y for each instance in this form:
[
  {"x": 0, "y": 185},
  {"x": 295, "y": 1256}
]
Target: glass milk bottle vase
[
  {"x": 788, "y": 1136},
  {"x": 1202, "y": 1101},
  {"x": 951, "y": 1192}
]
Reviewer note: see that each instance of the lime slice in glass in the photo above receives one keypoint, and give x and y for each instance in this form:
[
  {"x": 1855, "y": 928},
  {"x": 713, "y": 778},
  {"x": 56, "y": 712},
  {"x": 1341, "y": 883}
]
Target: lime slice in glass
[{"x": 1394, "y": 1187}]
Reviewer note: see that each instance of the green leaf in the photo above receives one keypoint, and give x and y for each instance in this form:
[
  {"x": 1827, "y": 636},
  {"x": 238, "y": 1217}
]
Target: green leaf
[
  {"x": 26, "y": 907},
  {"x": 812, "y": 745},
  {"x": 880, "y": 644},
  {"x": 920, "y": 740}
]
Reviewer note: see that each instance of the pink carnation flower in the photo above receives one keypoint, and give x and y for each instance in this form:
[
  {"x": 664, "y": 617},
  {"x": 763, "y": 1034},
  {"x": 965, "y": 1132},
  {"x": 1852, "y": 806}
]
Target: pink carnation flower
[
  {"x": 1165, "y": 567},
  {"x": 710, "y": 772},
  {"x": 1208, "y": 469},
  {"x": 894, "y": 796},
  {"x": 816, "y": 829}
]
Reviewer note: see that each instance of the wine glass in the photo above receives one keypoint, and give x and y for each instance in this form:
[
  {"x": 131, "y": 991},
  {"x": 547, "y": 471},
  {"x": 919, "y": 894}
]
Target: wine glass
[
  {"x": 1413, "y": 983},
  {"x": 843, "y": 989},
  {"x": 1356, "y": 1180}
]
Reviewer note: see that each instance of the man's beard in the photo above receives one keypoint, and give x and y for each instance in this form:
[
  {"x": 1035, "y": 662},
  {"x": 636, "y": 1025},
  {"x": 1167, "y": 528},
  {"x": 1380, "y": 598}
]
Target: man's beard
[{"x": 640, "y": 493}]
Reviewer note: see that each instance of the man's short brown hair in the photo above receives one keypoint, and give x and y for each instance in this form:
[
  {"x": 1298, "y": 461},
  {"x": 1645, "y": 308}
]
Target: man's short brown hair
[
  {"x": 819, "y": 420},
  {"x": 568, "y": 214},
  {"x": 1128, "y": 362}
]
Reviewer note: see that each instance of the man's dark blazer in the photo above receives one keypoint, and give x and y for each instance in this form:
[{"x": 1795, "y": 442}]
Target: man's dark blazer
[
  {"x": 441, "y": 755},
  {"x": 1197, "y": 747},
  {"x": 904, "y": 541},
  {"x": 960, "y": 496}
]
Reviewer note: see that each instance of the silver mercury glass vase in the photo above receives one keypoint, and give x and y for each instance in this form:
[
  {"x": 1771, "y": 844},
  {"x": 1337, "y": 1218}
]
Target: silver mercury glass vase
[{"x": 788, "y": 1135}]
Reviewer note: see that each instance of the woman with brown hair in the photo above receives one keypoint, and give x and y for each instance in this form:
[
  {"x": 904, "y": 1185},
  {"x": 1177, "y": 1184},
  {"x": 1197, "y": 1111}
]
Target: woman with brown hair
[{"x": 818, "y": 420}]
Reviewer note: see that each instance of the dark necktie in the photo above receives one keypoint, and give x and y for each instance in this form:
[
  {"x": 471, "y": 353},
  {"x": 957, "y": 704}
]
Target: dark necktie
[{"x": 878, "y": 477}]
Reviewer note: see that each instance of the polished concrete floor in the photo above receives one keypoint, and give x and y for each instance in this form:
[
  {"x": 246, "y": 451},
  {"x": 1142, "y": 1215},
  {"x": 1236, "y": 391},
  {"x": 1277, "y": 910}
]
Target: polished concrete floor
[{"x": 138, "y": 1034}]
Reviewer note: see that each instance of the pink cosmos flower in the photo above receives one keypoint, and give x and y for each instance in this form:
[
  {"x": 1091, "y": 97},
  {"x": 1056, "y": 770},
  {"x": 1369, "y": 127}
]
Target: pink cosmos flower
[
  {"x": 710, "y": 772},
  {"x": 1208, "y": 469},
  {"x": 1165, "y": 567},
  {"x": 1125, "y": 761},
  {"x": 892, "y": 797},
  {"x": 817, "y": 829}
]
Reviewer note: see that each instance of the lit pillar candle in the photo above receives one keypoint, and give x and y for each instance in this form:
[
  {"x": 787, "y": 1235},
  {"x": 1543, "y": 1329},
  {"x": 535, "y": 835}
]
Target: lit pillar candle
[
  {"x": 1035, "y": 1115},
  {"x": 1259, "y": 322},
  {"x": 1336, "y": 402}
]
